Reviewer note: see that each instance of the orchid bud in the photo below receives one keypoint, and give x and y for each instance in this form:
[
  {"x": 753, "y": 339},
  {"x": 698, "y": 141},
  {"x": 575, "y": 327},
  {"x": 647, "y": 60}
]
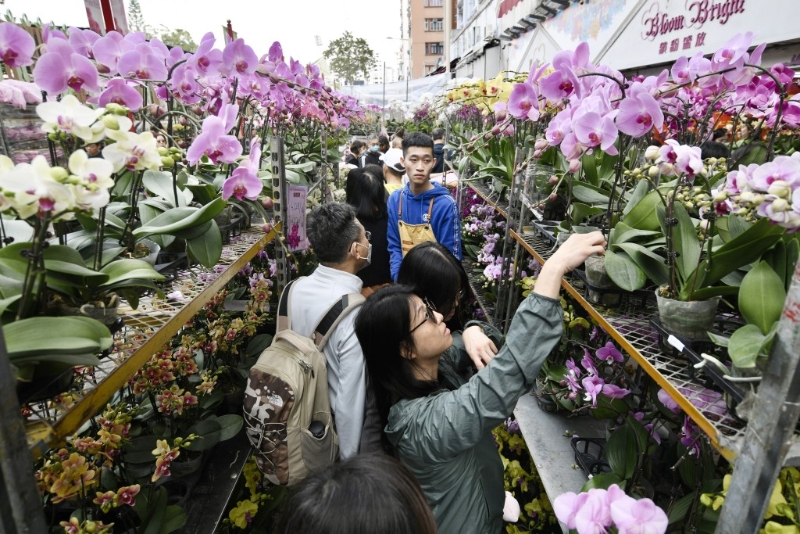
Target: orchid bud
[
  {"x": 537, "y": 154},
  {"x": 651, "y": 153},
  {"x": 575, "y": 166},
  {"x": 712, "y": 161},
  {"x": 653, "y": 172},
  {"x": 496, "y": 129},
  {"x": 553, "y": 197},
  {"x": 540, "y": 144},
  {"x": 182, "y": 121},
  {"x": 474, "y": 138},
  {"x": 152, "y": 109},
  {"x": 110, "y": 122},
  {"x": 181, "y": 143},
  {"x": 267, "y": 202},
  {"x": 780, "y": 205},
  {"x": 197, "y": 110},
  {"x": 759, "y": 199},
  {"x": 742, "y": 212},
  {"x": 780, "y": 188},
  {"x": 163, "y": 151},
  {"x": 722, "y": 196},
  {"x": 487, "y": 135},
  {"x": 59, "y": 174},
  {"x": 267, "y": 227},
  {"x": 116, "y": 109},
  {"x": 167, "y": 163},
  {"x": 553, "y": 180}
]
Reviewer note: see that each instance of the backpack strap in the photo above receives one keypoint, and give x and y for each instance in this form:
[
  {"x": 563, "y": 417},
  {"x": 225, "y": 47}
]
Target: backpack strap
[
  {"x": 334, "y": 316},
  {"x": 430, "y": 209},
  {"x": 284, "y": 321}
]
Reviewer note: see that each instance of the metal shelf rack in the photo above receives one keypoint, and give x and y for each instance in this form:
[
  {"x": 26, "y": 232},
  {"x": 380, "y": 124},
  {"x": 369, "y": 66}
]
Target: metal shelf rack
[{"x": 146, "y": 329}]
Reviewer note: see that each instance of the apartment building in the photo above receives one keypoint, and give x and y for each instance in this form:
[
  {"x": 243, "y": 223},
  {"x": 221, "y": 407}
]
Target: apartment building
[{"x": 427, "y": 34}]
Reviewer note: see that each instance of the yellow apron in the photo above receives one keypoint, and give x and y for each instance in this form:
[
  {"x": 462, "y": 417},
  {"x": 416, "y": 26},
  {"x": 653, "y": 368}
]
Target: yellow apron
[{"x": 412, "y": 235}]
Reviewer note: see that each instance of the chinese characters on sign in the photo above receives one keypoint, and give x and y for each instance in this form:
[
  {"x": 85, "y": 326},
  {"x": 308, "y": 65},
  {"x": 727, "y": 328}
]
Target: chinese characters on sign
[
  {"x": 296, "y": 218},
  {"x": 687, "y": 43}
]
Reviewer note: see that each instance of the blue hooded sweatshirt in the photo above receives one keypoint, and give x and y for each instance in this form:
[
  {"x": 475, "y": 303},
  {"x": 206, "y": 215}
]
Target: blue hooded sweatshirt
[{"x": 445, "y": 221}]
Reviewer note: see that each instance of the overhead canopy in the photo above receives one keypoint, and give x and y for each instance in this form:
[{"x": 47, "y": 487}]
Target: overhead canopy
[{"x": 411, "y": 91}]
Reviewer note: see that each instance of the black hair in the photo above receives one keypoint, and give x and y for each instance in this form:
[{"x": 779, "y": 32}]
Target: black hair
[
  {"x": 365, "y": 494},
  {"x": 383, "y": 143},
  {"x": 719, "y": 133},
  {"x": 436, "y": 275},
  {"x": 417, "y": 139},
  {"x": 383, "y": 327},
  {"x": 357, "y": 145},
  {"x": 714, "y": 149},
  {"x": 437, "y": 133},
  {"x": 400, "y": 132},
  {"x": 364, "y": 191},
  {"x": 332, "y": 228}
]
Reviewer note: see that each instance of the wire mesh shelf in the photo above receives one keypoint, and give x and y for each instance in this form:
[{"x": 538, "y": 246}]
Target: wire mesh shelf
[
  {"x": 629, "y": 325},
  {"x": 146, "y": 329},
  {"x": 476, "y": 285},
  {"x": 490, "y": 196}
]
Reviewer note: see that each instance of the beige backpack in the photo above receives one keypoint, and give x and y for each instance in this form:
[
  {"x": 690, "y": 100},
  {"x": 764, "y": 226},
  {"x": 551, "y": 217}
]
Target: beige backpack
[{"x": 287, "y": 412}]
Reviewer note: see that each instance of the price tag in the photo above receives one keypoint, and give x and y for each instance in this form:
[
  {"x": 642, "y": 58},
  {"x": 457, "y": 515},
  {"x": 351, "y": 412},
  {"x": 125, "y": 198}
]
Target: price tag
[{"x": 675, "y": 342}]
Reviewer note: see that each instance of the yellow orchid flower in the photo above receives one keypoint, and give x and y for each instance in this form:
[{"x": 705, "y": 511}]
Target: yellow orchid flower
[
  {"x": 243, "y": 513},
  {"x": 775, "y": 499},
  {"x": 776, "y": 528}
]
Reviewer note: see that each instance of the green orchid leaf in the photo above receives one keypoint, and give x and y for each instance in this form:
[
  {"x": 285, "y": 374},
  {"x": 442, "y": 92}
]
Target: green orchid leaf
[
  {"x": 76, "y": 336},
  {"x": 685, "y": 241},
  {"x": 742, "y": 250},
  {"x": 203, "y": 193},
  {"x": 608, "y": 408},
  {"x": 636, "y": 196},
  {"x": 209, "y": 432},
  {"x": 589, "y": 194},
  {"x": 624, "y": 272},
  {"x": 745, "y": 345},
  {"x": 622, "y": 451},
  {"x": 580, "y": 211},
  {"x": 721, "y": 341},
  {"x": 231, "y": 425},
  {"x": 196, "y": 231},
  {"x": 589, "y": 168},
  {"x": 174, "y": 518},
  {"x": 623, "y": 233},
  {"x": 642, "y": 215},
  {"x": 6, "y": 302},
  {"x": 179, "y": 219},
  {"x": 130, "y": 269},
  {"x": 651, "y": 263},
  {"x": 160, "y": 183},
  {"x": 206, "y": 248},
  {"x": 761, "y": 296},
  {"x": 681, "y": 507},
  {"x": 603, "y": 481}
]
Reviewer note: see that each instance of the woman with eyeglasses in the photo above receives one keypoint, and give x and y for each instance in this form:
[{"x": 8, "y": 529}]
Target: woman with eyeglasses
[
  {"x": 438, "y": 276},
  {"x": 439, "y": 429},
  {"x": 365, "y": 192}
]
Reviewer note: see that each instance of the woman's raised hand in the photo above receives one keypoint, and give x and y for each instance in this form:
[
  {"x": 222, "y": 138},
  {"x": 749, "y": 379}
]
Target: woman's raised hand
[{"x": 570, "y": 255}]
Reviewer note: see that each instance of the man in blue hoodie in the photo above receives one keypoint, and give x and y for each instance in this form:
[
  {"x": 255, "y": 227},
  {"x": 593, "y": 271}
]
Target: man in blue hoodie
[{"x": 422, "y": 210}]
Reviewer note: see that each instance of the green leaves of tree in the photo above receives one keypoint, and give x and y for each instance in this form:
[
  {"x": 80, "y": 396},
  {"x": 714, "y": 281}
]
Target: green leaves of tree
[{"x": 350, "y": 56}]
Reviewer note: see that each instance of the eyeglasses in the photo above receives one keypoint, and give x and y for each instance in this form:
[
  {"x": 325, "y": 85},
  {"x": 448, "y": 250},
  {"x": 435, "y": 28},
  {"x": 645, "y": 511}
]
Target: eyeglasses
[{"x": 429, "y": 315}]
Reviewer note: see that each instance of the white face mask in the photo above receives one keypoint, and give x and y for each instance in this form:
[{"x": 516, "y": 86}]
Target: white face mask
[{"x": 368, "y": 258}]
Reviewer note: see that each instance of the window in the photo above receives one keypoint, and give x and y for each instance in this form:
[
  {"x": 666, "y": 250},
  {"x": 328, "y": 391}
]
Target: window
[
  {"x": 434, "y": 25},
  {"x": 434, "y": 49},
  {"x": 429, "y": 68},
  {"x": 434, "y": 3}
]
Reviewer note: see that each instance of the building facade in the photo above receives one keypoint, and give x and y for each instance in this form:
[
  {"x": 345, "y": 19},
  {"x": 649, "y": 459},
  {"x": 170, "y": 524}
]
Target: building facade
[{"x": 426, "y": 25}]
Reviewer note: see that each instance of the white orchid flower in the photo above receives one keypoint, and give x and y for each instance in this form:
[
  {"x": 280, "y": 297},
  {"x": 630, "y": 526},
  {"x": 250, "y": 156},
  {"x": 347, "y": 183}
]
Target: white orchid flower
[
  {"x": 95, "y": 172},
  {"x": 132, "y": 151},
  {"x": 69, "y": 116},
  {"x": 89, "y": 200},
  {"x": 34, "y": 188}
]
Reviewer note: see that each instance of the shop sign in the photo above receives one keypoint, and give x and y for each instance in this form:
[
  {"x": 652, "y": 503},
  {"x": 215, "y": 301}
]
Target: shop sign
[
  {"x": 697, "y": 17},
  {"x": 506, "y": 6}
]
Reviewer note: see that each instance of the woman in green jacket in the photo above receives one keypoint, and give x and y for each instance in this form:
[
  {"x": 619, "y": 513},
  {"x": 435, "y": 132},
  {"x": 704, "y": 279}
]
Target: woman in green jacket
[{"x": 439, "y": 427}]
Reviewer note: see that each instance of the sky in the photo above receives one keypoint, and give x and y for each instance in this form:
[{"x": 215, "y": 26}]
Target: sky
[{"x": 294, "y": 23}]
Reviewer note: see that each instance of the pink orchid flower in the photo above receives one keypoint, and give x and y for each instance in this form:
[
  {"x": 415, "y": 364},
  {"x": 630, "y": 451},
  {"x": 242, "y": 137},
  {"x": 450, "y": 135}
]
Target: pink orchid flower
[
  {"x": 614, "y": 392},
  {"x": 609, "y": 353},
  {"x": 214, "y": 140},
  {"x": 593, "y": 130},
  {"x": 238, "y": 59},
  {"x": 82, "y": 41},
  {"x": 61, "y": 68},
  {"x": 206, "y": 59},
  {"x": 638, "y": 516},
  {"x": 595, "y": 514},
  {"x": 668, "y": 401},
  {"x": 16, "y": 45},
  {"x": 244, "y": 182},
  {"x": 560, "y": 84},
  {"x": 567, "y": 505},
  {"x": 639, "y": 113},
  {"x": 119, "y": 92},
  {"x": 143, "y": 63},
  {"x": 559, "y": 127},
  {"x": 594, "y": 387},
  {"x": 524, "y": 102}
]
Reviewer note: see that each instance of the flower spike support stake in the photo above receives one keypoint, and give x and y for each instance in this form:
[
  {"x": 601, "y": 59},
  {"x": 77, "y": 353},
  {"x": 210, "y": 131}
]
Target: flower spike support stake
[
  {"x": 768, "y": 436},
  {"x": 20, "y": 504}
]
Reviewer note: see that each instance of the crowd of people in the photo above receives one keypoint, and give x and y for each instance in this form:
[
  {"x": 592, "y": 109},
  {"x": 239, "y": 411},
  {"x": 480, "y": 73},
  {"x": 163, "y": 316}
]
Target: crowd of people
[{"x": 413, "y": 392}]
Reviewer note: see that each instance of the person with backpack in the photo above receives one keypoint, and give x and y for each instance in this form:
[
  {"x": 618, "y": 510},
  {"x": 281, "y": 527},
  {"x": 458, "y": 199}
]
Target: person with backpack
[{"x": 308, "y": 306}]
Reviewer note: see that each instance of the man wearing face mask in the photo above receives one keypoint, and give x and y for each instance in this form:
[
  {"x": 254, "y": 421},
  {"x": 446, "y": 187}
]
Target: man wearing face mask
[
  {"x": 342, "y": 248},
  {"x": 374, "y": 153}
]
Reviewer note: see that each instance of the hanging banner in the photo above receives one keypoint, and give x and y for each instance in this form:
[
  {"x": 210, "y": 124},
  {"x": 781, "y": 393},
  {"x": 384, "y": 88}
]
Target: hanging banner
[
  {"x": 120, "y": 18},
  {"x": 95, "y": 15},
  {"x": 295, "y": 228}
]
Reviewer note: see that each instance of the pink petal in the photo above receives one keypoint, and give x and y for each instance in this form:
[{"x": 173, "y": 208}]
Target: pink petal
[
  {"x": 16, "y": 45},
  {"x": 49, "y": 73}
]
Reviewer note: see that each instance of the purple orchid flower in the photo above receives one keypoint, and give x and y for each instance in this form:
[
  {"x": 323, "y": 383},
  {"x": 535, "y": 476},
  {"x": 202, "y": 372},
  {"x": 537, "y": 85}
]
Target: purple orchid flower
[
  {"x": 206, "y": 59},
  {"x": 690, "y": 437},
  {"x": 238, "y": 59},
  {"x": 588, "y": 363},
  {"x": 593, "y": 130},
  {"x": 573, "y": 368},
  {"x": 119, "y": 92},
  {"x": 731, "y": 52},
  {"x": 615, "y": 392},
  {"x": 142, "y": 63},
  {"x": 638, "y": 114},
  {"x": 560, "y": 84},
  {"x": 567, "y": 505},
  {"x": 637, "y": 516},
  {"x": 108, "y": 49},
  {"x": 559, "y": 127},
  {"x": 244, "y": 183},
  {"x": 609, "y": 353},
  {"x": 16, "y": 45},
  {"x": 214, "y": 140},
  {"x": 594, "y": 387},
  {"x": 184, "y": 84},
  {"x": 595, "y": 514},
  {"x": 668, "y": 401},
  {"x": 82, "y": 41},
  {"x": 524, "y": 102},
  {"x": 61, "y": 68}
]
